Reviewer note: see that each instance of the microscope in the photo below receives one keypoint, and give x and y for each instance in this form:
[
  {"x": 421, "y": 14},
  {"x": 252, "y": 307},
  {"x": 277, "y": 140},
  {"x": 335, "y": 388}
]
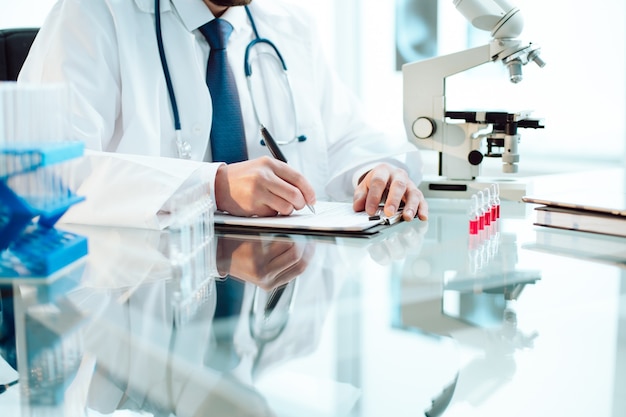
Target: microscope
[{"x": 458, "y": 136}]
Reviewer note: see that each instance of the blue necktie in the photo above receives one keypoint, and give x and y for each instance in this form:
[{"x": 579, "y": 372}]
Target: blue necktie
[
  {"x": 222, "y": 355},
  {"x": 228, "y": 143}
]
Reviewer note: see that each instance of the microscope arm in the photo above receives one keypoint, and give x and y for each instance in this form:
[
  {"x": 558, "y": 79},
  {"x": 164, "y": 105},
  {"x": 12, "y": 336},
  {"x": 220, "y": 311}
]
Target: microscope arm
[
  {"x": 429, "y": 125},
  {"x": 424, "y": 91}
]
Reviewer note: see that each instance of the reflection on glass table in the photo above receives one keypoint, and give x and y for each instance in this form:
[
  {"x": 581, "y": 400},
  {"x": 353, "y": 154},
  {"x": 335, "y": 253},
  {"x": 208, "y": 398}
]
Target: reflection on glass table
[
  {"x": 419, "y": 320},
  {"x": 44, "y": 336},
  {"x": 147, "y": 338},
  {"x": 467, "y": 284},
  {"x": 529, "y": 323}
]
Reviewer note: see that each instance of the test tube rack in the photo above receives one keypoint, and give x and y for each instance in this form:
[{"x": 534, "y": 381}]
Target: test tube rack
[
  {"x": 33, "y": 197},
  {"x": 191, "y": 250}
]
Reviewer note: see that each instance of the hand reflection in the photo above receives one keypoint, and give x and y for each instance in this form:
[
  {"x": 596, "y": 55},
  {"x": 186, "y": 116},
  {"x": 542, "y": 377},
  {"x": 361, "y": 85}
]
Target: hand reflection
[
  {"x": 398, "y": 243},
  {"x": 267, "y": 262}
]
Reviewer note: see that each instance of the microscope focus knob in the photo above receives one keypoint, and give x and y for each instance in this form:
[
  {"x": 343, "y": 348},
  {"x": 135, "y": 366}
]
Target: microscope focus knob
[
  {"x": 424, "y": 127},
  {"x": 475, "y": 157}
]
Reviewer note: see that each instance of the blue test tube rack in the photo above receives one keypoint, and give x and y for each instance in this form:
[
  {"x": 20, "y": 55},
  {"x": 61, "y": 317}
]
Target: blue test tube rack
[{"x": 30, "y": 245}]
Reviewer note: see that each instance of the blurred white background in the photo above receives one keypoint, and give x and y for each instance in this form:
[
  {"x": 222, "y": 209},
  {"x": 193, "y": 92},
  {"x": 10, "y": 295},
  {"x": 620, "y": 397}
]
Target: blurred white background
[{"x": 581, "y": 93}]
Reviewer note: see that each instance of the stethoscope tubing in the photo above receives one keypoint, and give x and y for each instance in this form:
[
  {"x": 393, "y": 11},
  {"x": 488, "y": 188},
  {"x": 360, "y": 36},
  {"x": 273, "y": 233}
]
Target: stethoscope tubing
[
  {"x": 184, "y": 149},
  {"x": 166, "y": 71}
]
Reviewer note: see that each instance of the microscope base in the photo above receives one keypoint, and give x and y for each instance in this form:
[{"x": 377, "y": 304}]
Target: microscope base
[{"x": 440, "y": 187}]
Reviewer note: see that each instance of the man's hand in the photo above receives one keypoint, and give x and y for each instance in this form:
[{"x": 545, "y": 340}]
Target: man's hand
[
  {"x": 261, "y": 187},
  {"x": 393, "y": 186}
]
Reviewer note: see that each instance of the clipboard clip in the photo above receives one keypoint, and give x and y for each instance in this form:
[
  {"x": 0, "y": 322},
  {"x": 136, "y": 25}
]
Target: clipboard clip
[{"x": 379, "y": 215}]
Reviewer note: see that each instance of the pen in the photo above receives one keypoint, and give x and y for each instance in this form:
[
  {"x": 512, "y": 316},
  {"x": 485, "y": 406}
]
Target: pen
[
  {"x": 5, "y": 387},
  {"x": 276, "y": 152}
]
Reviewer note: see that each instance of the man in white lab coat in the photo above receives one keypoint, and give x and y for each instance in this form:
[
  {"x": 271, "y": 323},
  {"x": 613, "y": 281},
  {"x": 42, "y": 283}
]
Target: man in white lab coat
[{"x": 106, "y": 51}]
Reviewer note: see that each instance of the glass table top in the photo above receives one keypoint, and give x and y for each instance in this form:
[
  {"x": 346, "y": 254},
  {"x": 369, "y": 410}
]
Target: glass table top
[{"x": 422, "y": 319}]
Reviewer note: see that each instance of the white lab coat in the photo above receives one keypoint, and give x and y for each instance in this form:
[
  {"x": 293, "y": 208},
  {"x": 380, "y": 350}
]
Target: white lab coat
[{"x": 106, "y": 50}]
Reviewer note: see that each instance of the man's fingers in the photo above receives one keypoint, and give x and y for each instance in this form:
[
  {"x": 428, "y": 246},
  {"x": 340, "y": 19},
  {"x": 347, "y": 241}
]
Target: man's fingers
[
  {"x": 300, "y": 184},
  {"x": 398, "y": 189},
  {"x": 377, "y": 187},
  {"x": 392, "y": 186},
  {"x": 261, "y": 187}
]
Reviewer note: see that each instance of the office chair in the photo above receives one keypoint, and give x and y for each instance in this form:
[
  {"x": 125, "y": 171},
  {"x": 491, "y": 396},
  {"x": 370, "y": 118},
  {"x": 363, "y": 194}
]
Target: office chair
[{"x": 14, "y": 47}]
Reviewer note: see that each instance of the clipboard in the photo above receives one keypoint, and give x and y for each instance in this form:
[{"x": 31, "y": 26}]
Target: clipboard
[{"x": 331, "y": 218}]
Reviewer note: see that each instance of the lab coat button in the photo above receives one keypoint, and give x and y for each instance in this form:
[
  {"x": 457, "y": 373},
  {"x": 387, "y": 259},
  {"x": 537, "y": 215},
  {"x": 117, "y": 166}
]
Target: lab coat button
[{"x": 197, "y": 130}]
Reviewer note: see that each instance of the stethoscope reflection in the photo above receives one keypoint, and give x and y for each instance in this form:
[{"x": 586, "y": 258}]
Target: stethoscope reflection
[
  {"x": 269, "y": 315},
  {"x": 143, "y": 359},
  {"x": 267, "y": 268}
]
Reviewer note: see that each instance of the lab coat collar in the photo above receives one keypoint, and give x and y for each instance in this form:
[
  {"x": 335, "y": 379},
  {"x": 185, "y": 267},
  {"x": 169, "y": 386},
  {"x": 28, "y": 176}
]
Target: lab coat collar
[
  {"x": 237, "y": 17},
  {"x": 194, "y": 13},
  {"x": 187, "y": 6}
]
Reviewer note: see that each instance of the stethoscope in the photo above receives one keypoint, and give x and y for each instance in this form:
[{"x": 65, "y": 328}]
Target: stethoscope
[
  {"x": 184, "y": 147},
  {"x": 269, "y": 315}
]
